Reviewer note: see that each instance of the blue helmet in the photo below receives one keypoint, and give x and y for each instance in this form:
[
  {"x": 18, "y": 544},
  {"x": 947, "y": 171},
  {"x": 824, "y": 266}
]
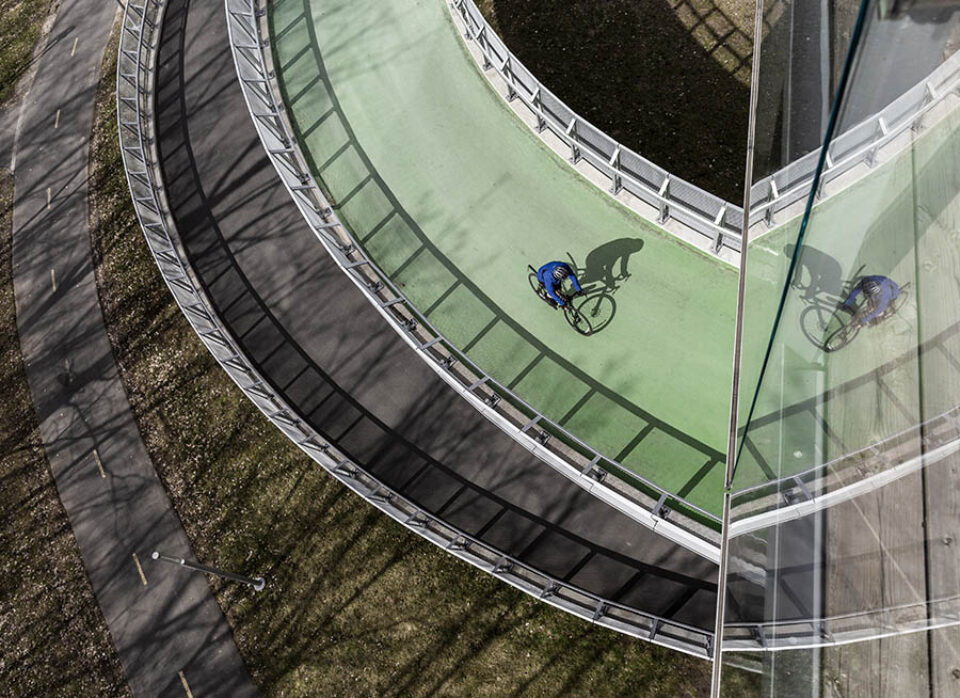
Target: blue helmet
[{"x": 560, "y": 273}]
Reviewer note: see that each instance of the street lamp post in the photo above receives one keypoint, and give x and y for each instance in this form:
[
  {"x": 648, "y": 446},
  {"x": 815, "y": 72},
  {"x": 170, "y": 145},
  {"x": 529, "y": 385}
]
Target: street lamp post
[{"x": 258, "y": 583}]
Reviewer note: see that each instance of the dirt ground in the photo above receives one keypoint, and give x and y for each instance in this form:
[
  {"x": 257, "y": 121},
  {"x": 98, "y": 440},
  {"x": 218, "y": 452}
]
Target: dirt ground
[{"x": 668, "y": 78}]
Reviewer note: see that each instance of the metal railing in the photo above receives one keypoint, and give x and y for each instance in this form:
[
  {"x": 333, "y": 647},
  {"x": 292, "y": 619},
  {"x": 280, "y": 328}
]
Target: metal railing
[
  {"x": 857, "y": 469},
  {"x": 135, "y": 117},
  {"x": 773, "y": 503},
  {"x": 643, "y": 500},
  {"x": 672, "y": 197},
  {"x": 632, "y": 494},
  {"x": 859, "y": 145},
  {"x": 675, "y": 199},
  {"x": 843, "y": 629}
]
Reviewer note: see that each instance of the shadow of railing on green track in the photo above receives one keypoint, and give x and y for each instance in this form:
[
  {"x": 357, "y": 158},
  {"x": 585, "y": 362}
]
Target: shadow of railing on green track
[{"x": 447, "y": 297}]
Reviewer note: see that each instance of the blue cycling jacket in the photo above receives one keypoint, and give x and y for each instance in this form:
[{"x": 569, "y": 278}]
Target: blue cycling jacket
[
  {"x": 545, "y": 275},
  {"x": 888, "y": 293}
]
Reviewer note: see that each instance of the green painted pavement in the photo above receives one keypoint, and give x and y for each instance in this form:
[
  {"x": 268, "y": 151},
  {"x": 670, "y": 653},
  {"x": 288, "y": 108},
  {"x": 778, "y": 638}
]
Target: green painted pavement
[{"x": 453, "y": 196}]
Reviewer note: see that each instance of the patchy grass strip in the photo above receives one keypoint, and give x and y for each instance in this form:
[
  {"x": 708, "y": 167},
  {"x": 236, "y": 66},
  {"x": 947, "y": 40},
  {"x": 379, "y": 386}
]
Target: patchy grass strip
[{"x": 21, "y": 28}]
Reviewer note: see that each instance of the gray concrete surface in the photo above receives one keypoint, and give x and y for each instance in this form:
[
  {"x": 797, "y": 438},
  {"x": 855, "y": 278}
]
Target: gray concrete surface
[
  {"x": 165, "y": 622},
  {"x": 320, "y": 344}
]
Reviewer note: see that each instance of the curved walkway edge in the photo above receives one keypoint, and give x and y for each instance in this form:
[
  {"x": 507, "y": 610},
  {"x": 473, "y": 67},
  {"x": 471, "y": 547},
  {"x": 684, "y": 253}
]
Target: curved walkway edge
[
  {"x": 242, "y": 267},
  {"x": 647, "y": 503},
  {"x": 165, "y": 623}
]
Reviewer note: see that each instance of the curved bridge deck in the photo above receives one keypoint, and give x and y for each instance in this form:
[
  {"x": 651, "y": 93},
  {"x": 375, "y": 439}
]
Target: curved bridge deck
[
  {"x": 321, "y": 345},
  {"x": 453, "y": 197}
]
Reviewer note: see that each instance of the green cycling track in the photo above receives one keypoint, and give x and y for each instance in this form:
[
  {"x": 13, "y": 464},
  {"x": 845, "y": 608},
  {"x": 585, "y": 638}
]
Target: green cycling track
[{"x": 454, "y": 196}]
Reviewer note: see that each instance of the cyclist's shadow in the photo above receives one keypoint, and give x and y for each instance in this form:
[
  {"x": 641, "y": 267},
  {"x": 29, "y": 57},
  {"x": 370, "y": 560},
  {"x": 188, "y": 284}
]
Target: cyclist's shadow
[
  {"x": 601, "y": 263},
  {"x": 817, "y": 275},
  {"x": 600, "y": 278}
]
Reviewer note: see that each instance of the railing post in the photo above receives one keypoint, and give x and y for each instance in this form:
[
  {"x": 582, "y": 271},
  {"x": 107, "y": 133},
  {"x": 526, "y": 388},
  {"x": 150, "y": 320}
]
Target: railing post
[
  {"x": 771, "y": 206},
  {"x": 574, "y": 146},
  {"x": 538, "y": 110},
  {"x": 507, "y": 72},
  {"x": 664, "y": 194},
  {"x": 484, "y": 45},
  {"x": 614, "y": 163}
]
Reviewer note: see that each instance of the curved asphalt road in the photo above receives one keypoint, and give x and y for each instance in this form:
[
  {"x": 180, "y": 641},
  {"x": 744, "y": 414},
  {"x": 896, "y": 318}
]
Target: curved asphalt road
[
  {"x": 164, "y": 621},
  {"x": 319, "y": 342}
]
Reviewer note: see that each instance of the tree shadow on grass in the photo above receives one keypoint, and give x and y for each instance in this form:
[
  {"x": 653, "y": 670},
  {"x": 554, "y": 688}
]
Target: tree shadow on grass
[{"x": 635, "y": 71}]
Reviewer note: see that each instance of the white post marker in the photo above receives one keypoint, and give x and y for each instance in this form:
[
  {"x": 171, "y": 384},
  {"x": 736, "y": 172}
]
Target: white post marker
[
  {"x": 143, "y": 577},
  {"x": 186, "y": 686}
]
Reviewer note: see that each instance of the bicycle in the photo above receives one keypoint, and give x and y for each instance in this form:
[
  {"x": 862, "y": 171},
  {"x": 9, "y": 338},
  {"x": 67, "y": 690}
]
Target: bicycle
[
  {"x": 837, "y": 337},
  {"x": 574, "y": 317}
]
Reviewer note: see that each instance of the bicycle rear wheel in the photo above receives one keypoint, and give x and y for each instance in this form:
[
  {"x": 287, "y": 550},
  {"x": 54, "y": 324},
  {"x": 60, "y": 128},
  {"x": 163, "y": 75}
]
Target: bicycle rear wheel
[
  {"x": 537, "y": 287},
  {"x": 899, "y": 301}
]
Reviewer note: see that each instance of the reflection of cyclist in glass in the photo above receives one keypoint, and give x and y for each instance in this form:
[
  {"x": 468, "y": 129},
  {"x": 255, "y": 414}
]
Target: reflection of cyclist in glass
[
  {"x": 879, "y": 292},
  {"x": 551, "y": 275}
]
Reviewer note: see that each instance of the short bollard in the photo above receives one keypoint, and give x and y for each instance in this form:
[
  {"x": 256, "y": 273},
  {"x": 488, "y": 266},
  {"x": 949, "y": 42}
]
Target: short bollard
[{"x": 258, "y": 583}]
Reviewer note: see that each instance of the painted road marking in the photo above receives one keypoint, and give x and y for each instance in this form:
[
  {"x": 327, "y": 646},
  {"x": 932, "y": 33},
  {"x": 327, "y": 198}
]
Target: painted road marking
[
  {"x": 186, "y": 686},
  {"x": 143, "y": 577},
  {"x": 49, "y": 198},
  {"x": 56, "y": 121},
  {"x": 74, "y": 49},
  {"x": 53, "y": 279},
  {"x": 96, "y": 457}
]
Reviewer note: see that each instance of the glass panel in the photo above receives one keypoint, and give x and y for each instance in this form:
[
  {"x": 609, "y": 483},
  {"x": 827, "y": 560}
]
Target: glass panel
[{"x": 844, "y": 502}]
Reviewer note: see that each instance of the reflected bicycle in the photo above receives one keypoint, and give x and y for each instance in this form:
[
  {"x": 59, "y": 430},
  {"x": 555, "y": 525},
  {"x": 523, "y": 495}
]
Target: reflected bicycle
[{"x": 843, "y": 327}]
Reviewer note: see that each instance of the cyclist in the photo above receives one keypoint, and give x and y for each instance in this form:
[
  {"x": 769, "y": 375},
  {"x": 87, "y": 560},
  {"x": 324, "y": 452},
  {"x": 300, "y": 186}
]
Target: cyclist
[
  {"x": 879, "y": 292},
  {"x": 551, "y": 275}
]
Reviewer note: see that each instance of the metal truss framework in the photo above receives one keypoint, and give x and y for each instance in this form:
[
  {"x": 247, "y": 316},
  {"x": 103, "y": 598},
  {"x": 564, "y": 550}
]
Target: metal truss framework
[{"x": 137, "y": 54}]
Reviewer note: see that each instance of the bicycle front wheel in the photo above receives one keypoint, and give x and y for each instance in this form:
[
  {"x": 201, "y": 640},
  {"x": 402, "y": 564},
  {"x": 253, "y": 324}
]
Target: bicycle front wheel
[
  {"x": 841, "y": 337},
  {"x": 577, "y": 320}
]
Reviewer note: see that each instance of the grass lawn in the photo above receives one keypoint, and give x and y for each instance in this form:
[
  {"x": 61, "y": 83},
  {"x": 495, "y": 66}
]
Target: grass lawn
[
  {"x": 53, "y": 638},
  {"x": 20, "y": 28},
  {"x": 355, "y": 604}
]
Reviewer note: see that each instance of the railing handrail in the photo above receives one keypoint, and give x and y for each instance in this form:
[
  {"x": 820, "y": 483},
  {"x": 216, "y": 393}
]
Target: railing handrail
[
  {"x": 872, "y": 449},
  {"x": 268, "y": 116},
  {"x": 771, "y": 636},
  {"x": 135, "y": 99},
  {"x": 711, "y": 218},
  {"x": 720, "y": 223}
]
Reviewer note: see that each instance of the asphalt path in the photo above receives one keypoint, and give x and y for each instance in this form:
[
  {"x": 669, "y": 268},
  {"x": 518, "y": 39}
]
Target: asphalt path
[
  {"x": 320, "y": 344},
  {"x": 165, "y": 623}
]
